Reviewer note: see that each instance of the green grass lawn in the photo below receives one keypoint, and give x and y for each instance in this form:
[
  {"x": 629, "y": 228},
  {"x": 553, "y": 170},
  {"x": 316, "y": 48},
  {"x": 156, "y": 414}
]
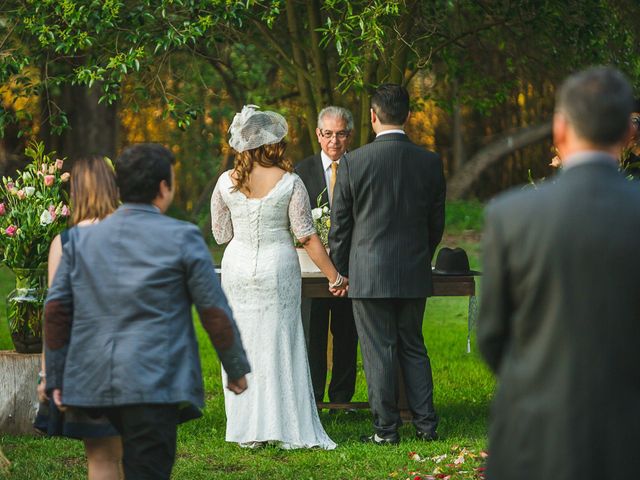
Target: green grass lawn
[{"x": 463, "y": 388}]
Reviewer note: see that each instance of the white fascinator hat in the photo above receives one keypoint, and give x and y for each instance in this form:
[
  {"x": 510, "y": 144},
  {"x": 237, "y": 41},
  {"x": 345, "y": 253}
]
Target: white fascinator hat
[{"x": 251, "y": 128}]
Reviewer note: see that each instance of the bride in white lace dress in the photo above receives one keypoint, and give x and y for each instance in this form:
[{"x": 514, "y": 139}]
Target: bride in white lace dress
[{"x": 254, "y": 207}]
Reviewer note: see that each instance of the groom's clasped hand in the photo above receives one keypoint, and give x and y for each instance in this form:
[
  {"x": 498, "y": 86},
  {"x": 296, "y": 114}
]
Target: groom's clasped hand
[{"x": 340, "y": 290}]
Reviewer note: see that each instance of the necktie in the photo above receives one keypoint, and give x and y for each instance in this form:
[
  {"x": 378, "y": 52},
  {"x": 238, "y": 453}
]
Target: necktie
[{"x": 332, "y": 179}]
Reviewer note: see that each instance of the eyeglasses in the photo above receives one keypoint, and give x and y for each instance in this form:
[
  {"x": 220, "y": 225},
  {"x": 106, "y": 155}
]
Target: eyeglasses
[{"x": 341, "y": 135}]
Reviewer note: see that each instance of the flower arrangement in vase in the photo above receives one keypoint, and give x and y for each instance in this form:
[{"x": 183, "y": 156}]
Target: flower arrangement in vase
[{"x": 33, "y": 210}]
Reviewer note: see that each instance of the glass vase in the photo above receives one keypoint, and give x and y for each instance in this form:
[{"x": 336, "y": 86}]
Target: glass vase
[{"x": 25, "y": 306}]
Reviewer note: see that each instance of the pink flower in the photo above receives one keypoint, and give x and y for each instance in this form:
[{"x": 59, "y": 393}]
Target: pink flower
[
  {"x": 65, "y": 212},
  {"x": 59, "y": 164},
  {"x": 3, "y": 209},
  {"x": 21, "y": 195},
  {"x": 10, "y": 185},
  {"x": 65, "y": 176},
  {"x": 43, "y": 168},
  {"x": 52, "y": 212},
  {"x": 11, "y": 230},
  {"x": 48, "y": 180}
]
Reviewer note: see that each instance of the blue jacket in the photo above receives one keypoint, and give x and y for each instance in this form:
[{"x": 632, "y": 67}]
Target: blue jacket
[{"x": 118, "y": 324}]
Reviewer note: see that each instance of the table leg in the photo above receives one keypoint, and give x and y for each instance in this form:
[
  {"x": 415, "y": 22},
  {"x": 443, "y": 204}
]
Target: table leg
[{"x": 472, "y": 317}]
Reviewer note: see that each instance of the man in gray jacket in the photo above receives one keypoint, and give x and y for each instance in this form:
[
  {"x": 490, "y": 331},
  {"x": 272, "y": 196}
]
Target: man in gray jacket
[{"x": 119, "y": 333}]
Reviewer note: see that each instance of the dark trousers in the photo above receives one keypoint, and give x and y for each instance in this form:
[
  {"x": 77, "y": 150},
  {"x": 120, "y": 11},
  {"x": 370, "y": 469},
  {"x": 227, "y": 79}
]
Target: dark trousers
[
  {"x": 148, "y": 439},
  {"x": 390, "y": 333},
  {"x": 345, "y": 348}
]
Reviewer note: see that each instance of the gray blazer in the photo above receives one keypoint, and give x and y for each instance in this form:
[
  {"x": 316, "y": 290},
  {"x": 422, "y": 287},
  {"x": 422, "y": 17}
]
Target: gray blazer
[
  {"x": 560, "y": 324},
  {"x": 387, "y": 218},
  {"x": 118, "y": 322}
]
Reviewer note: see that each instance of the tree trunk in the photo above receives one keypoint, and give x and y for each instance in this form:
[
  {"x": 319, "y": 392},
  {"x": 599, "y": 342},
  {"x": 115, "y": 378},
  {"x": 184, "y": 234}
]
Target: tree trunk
[
  {"x": 365, "y": 104},
  {"x": 324, "y": 91},
  {"x": 18, "y": 395},
  {"x": 461, "y": 183},
  {"x": 458, "y": 140},
  {"x": 306, "y": 96},
  {"x": 92, "y": 127},
  {"x": 398, "y": 60}
]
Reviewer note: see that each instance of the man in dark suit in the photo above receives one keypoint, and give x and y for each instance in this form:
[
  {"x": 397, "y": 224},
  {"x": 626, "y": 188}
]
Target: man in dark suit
[
  {"x": 119, "y": 332},
  {"x": 559, "y": 318},
  {"x": 386, "y": 221},
  {"x": 319, "y": 173}
]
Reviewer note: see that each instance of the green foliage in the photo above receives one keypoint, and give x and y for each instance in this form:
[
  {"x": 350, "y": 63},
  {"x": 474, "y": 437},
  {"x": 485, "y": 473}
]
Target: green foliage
[
  {"x": 359, "y": 31},
  {"x": 463, "y": 216},
  {"x": 34, "y": 209},
  {"x": 87, "y": 42}
]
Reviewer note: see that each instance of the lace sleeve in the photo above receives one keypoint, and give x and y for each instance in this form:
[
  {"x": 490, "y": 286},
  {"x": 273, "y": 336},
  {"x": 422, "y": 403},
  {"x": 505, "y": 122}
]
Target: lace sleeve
[
  {"x": 221, "y": 225},
  {"x": 300, "y": 211}
]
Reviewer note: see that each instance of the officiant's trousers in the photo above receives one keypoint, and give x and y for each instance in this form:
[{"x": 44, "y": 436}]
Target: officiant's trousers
[
  {"x": 390, "y": 333},
  {"x": 345, "y": 348}
]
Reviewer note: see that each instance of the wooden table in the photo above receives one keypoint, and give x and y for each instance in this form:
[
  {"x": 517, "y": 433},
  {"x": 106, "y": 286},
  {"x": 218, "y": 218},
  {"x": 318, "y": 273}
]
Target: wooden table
[{"x": 315, "y": 285}]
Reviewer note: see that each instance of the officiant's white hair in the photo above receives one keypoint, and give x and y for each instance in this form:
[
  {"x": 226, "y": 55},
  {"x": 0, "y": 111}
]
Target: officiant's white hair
[{"x": 333, "y": 111}]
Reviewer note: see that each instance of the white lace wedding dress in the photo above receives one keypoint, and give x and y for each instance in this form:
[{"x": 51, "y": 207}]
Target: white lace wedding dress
[{"x": 261, "y": 278}]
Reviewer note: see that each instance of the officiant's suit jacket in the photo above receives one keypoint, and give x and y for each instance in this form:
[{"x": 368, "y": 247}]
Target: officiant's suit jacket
[
  {"x": 559, "y": 323},
  {"x": 312, "y": 174},
  {"x": 387, "y": 218},
  {"x": 119, "y": 329}
]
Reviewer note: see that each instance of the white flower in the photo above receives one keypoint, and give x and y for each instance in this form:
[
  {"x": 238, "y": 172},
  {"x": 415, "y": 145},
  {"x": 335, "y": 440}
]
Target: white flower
[
  {"x": 316, "y": 213},
  {"x": 46, "y": 218},
  {"x": 325, "y": 209},
  {"x": 29, "y": 191}
]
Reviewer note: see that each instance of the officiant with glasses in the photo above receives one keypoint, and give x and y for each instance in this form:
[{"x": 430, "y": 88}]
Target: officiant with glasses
[{"x": 319, "y": 173}]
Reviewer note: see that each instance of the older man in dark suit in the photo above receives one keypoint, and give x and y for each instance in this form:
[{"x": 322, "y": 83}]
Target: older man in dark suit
[
  {"x": 559, "y": 315},
  {"x": 119, "y": 333},
  {"x": 319, "y": 174},
  {"x": 386, "y": 221}
]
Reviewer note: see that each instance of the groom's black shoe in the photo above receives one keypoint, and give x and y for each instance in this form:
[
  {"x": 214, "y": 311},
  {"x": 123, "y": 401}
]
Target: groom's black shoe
[
  {"x": 393, "y": 439},
  {"x": 426, "y": 436}
]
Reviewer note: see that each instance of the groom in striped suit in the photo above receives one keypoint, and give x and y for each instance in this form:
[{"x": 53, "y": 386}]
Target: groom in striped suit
[{"x": 387, "y": 218}]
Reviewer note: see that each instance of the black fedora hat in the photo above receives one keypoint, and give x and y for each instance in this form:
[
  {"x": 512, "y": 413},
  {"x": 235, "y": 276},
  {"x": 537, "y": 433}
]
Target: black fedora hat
[{"x": 453, "y": 261}]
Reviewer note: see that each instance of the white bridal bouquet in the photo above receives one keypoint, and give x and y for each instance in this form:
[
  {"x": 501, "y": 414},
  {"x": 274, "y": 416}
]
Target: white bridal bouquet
[
  {"x": 321, "y": 216},
  {"x": 322, "y": 219}
]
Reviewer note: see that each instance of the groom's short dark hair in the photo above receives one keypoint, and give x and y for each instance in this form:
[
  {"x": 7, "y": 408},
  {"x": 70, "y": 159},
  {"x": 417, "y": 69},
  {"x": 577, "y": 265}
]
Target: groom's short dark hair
[
  {"x": 598, "y": 103},
  {"x": 140, "y": 169},
  {"x": 391, "y": 103}
]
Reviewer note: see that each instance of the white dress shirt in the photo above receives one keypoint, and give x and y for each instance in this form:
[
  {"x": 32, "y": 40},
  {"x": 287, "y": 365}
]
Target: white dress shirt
[{"x": 395, "y": 130}]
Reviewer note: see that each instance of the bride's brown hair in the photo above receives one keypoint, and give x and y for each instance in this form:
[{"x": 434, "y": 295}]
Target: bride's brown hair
[{"x": 265, "y": 156}]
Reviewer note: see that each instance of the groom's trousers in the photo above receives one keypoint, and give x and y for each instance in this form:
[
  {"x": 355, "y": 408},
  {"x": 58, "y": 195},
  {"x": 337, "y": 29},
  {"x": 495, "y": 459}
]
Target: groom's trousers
[{"x": 390, "y": 333}]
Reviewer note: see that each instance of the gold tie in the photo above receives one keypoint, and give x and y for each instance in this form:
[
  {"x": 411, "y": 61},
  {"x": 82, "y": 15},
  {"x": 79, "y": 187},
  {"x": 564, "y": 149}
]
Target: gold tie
[{"x": 332, "y": 180}]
